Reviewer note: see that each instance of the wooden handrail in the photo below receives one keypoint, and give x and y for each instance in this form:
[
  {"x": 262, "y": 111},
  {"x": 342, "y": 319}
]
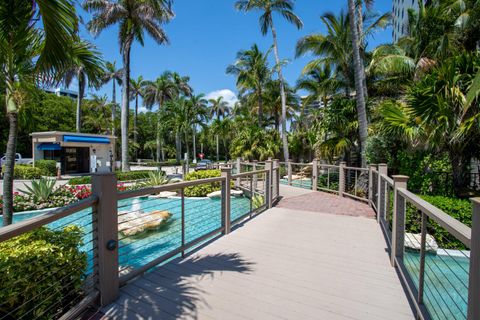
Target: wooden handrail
[
  {"x": 246, "y": 174},
  {"x": 167, "y": 187},
  {"x": 452, "y": 225},
  {"x": 16, "y": 229}
]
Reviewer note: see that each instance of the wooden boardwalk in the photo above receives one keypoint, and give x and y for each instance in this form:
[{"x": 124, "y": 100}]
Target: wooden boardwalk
[{"x": 284, "y": 264}]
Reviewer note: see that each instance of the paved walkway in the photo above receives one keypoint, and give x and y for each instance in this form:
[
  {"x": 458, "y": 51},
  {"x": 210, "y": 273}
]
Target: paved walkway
[{"x": 284, "y": 264}]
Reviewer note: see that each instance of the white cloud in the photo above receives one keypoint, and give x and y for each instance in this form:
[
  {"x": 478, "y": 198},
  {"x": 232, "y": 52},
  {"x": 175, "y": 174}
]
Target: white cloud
[
  {"x": 228, "y": 95},
  {"x": 142, "y": 109}
]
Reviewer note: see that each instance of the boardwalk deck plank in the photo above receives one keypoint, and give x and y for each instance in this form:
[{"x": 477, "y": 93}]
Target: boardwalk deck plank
[{"x": 287, "y": 263}]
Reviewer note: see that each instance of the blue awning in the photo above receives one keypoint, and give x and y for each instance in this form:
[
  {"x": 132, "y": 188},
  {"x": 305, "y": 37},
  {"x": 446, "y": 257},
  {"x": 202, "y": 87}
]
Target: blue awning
[
  {"x": 49, "y": 146},
  {"x": 86, "y": 139}
]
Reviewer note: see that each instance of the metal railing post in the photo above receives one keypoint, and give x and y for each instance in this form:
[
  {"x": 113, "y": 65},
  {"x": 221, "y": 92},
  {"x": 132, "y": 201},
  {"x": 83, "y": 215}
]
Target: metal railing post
[
  {"x": 255, "y": 177},
  {"x": 268, "y": 183},
  {"x": 474, "y": 273},
  {"x": 398, "y": 222},
  {"x": 314, "y": 174},
  {"x": 370, "y": 183},
  {"x": 289, "y": 171},
  {"x": 276, "y": 178},
  {"x": 382, "y": 186},
  {"x": 341, "y": 178},
  {"x": 105, "y": 235},
  {"x": 238, "y": 166},
  {"x": 226, "y": 221}
]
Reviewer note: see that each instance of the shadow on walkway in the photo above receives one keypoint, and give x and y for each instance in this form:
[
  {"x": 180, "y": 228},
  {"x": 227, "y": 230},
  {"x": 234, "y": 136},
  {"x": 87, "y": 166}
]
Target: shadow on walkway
[{"x": 172, "y": 291}]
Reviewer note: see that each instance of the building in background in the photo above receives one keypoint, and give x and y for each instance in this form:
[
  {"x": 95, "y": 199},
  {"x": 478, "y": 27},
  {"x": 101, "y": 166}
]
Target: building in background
[
  {"x": 400, "y": 16},
  {"x": 62, "y": 92},
  {"x": 75, "y": 152}
]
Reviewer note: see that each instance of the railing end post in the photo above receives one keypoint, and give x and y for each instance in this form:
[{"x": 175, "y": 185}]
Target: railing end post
[
  {"x": 268, "y": 185},
  {"x": 226, "y": 172},
  {"x": 341, "y": 178},
  {"x": 315, "y": 174},
  {"x": 473, "y": 309},
  {"x": 289, "y": 171},
  {"x": 370, "y": 182},
  {"x": 105, "y": 235},
  {"x": 398, "y": 219}
]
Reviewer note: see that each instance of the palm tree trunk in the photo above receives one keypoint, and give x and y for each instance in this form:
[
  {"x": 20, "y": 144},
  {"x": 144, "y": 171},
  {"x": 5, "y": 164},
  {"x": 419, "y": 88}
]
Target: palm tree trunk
[
  {"x": 78, "y": 120},
  {"x": 260, "y": 106},
  {"x": 360, "y": 44},
  {"x": 114, "y": 106},
  {"x": 194, "y": 145},
  {"x": 282, "y": 94},
  {"x": 218, "y": 150},
  {"x": 125, "y": 104},
  {"x": 162, "y": 150},
  {"x": 9, "y": 166},
  {"x": 178, "y": 146},
  {"x": 361, "y": 108},
  {"x": 159, "y": 145},
  {"x": 135, "y": 134}
]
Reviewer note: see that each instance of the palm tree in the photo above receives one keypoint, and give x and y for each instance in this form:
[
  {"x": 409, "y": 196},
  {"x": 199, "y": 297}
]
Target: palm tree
[
  {"x": 25, "y": 51},
  {"x": 199, "y": 106},
  {"x": 252, "y": 72},
  {"x": 115, "y": 75},
  {"x": 220, "y": 108},
  {"x": 359, "y": 76},
  {"x": 158, "y": 92},
  {"x": 320, "y": 83},
  {"x": 98, "y": 118},
  {"x": 285, "y": 9},
  {"x": 134, "y": 17},
  {"x": 182, "y": 89},
  {"x": 86, "y": 65},
  {"x": 137, "y": 89},
  {"x": 273, "y": 102}
]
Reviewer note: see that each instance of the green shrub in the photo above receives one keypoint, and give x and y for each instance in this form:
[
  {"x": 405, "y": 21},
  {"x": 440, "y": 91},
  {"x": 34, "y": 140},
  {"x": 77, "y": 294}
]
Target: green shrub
[
  {"x": 121, "y": 176},
  {"x": 457, "y": 208},
  {"x": 80, "y": 180},
  {"x": 27, "y": 172},
  {"x": 48, "y": 167},
  {"x": 41, "y": 272},
  {"x": 203, "y": 189}
]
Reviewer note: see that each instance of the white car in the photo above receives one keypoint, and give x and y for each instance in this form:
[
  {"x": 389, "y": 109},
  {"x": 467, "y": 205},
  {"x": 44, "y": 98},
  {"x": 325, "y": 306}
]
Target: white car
[{"x": 18, "y": 160}]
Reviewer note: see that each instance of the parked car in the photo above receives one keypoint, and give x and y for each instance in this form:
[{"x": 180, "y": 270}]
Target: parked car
[
  {"x": 18, "y": 160},
  {"x": 203, "y": 164}
]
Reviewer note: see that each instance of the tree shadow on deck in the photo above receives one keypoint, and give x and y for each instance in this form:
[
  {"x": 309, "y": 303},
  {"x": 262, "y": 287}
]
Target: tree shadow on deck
[{"x": 173, "y": 291}]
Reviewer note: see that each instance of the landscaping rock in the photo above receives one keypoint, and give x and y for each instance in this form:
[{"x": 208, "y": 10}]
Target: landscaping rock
[
  {"x": 164, "y": 194},
  {"x": 218, "y": 194},
  {"x": 135, "y": 223},
  {"x": 413, "y": 241}
]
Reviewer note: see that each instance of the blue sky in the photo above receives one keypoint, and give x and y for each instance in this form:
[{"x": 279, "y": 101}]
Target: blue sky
[{"x": 206, "y": 35}]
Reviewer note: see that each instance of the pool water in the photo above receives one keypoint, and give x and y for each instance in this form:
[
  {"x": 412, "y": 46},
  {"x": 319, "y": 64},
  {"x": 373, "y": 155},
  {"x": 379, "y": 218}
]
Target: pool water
[
  {"x": 446, "y": 283},
  {"x": 202, "y": 215},
  {"x": 305, "y": 184}
]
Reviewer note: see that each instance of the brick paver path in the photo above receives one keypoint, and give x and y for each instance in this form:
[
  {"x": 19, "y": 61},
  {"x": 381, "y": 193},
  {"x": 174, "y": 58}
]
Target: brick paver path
[{"x": 327, "y": 203}]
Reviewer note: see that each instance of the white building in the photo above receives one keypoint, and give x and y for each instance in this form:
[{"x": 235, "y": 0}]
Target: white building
[
  {"x": 400, "y": 16},
  {"x": 75, "y": 152}
]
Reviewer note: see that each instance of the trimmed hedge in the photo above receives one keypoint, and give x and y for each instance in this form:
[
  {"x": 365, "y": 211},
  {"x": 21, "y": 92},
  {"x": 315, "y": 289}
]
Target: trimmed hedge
[
  {"x": 457, "y": 208},
  {"x": 121, "y": 176},
  {"x": 48, "y": 167},
  {"x": 41, "y": 273},
  {"x": 27, "y": 172},
  {"x": 203, "y": 189}
]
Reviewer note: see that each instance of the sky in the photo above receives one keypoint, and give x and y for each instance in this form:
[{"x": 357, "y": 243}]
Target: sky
[{"x": 205, "y": 36}]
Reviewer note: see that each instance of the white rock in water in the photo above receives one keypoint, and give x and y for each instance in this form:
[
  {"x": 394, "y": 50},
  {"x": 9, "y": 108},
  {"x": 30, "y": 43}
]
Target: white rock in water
[
  {"x": 164, "y": 194},
  {"x": 133, "y": 223},
  {"x": 218, "y": 194},
  {"x": 215, "y": 194},
  {"x": 414, "y": 240}
]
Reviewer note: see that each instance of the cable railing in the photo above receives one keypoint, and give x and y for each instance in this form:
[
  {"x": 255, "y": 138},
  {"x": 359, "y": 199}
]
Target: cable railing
[
  {"x": 437, "y": 256},
  {"x": 85, "y": 251}
]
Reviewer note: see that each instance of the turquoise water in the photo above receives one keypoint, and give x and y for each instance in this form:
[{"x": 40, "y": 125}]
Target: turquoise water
[
  {"x": 446, "y": 283},
  {"x": 202, "y": 216},
  {"x": 305, "y": 184}
]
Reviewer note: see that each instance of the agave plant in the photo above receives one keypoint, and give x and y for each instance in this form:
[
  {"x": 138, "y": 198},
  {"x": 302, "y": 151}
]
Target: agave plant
[
  {"x": 40, "y": 190},
  {"x": 157, "y": 178}
]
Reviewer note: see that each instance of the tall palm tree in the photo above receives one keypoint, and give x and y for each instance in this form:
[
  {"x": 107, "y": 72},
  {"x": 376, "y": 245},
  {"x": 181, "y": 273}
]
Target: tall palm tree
[
  {"x": 359, "y": 76},
  {"x": 115, "y": 75},
  {"x": 86, "y": 65},
  {"x": 199, "y": 106},
  {"x": 98, "y": 118},
  {"x": 158, "y": 92},
  {"x": 285, "y": 9},
  {"x": 137, "y": 90},
  {"x": 252, "y": 72},
  {"x": 25, "y": 51},
  {"x": 220, "y": 108},
  {"x": 134, "y": 18},
  {"x": 182, "y": 89}
]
